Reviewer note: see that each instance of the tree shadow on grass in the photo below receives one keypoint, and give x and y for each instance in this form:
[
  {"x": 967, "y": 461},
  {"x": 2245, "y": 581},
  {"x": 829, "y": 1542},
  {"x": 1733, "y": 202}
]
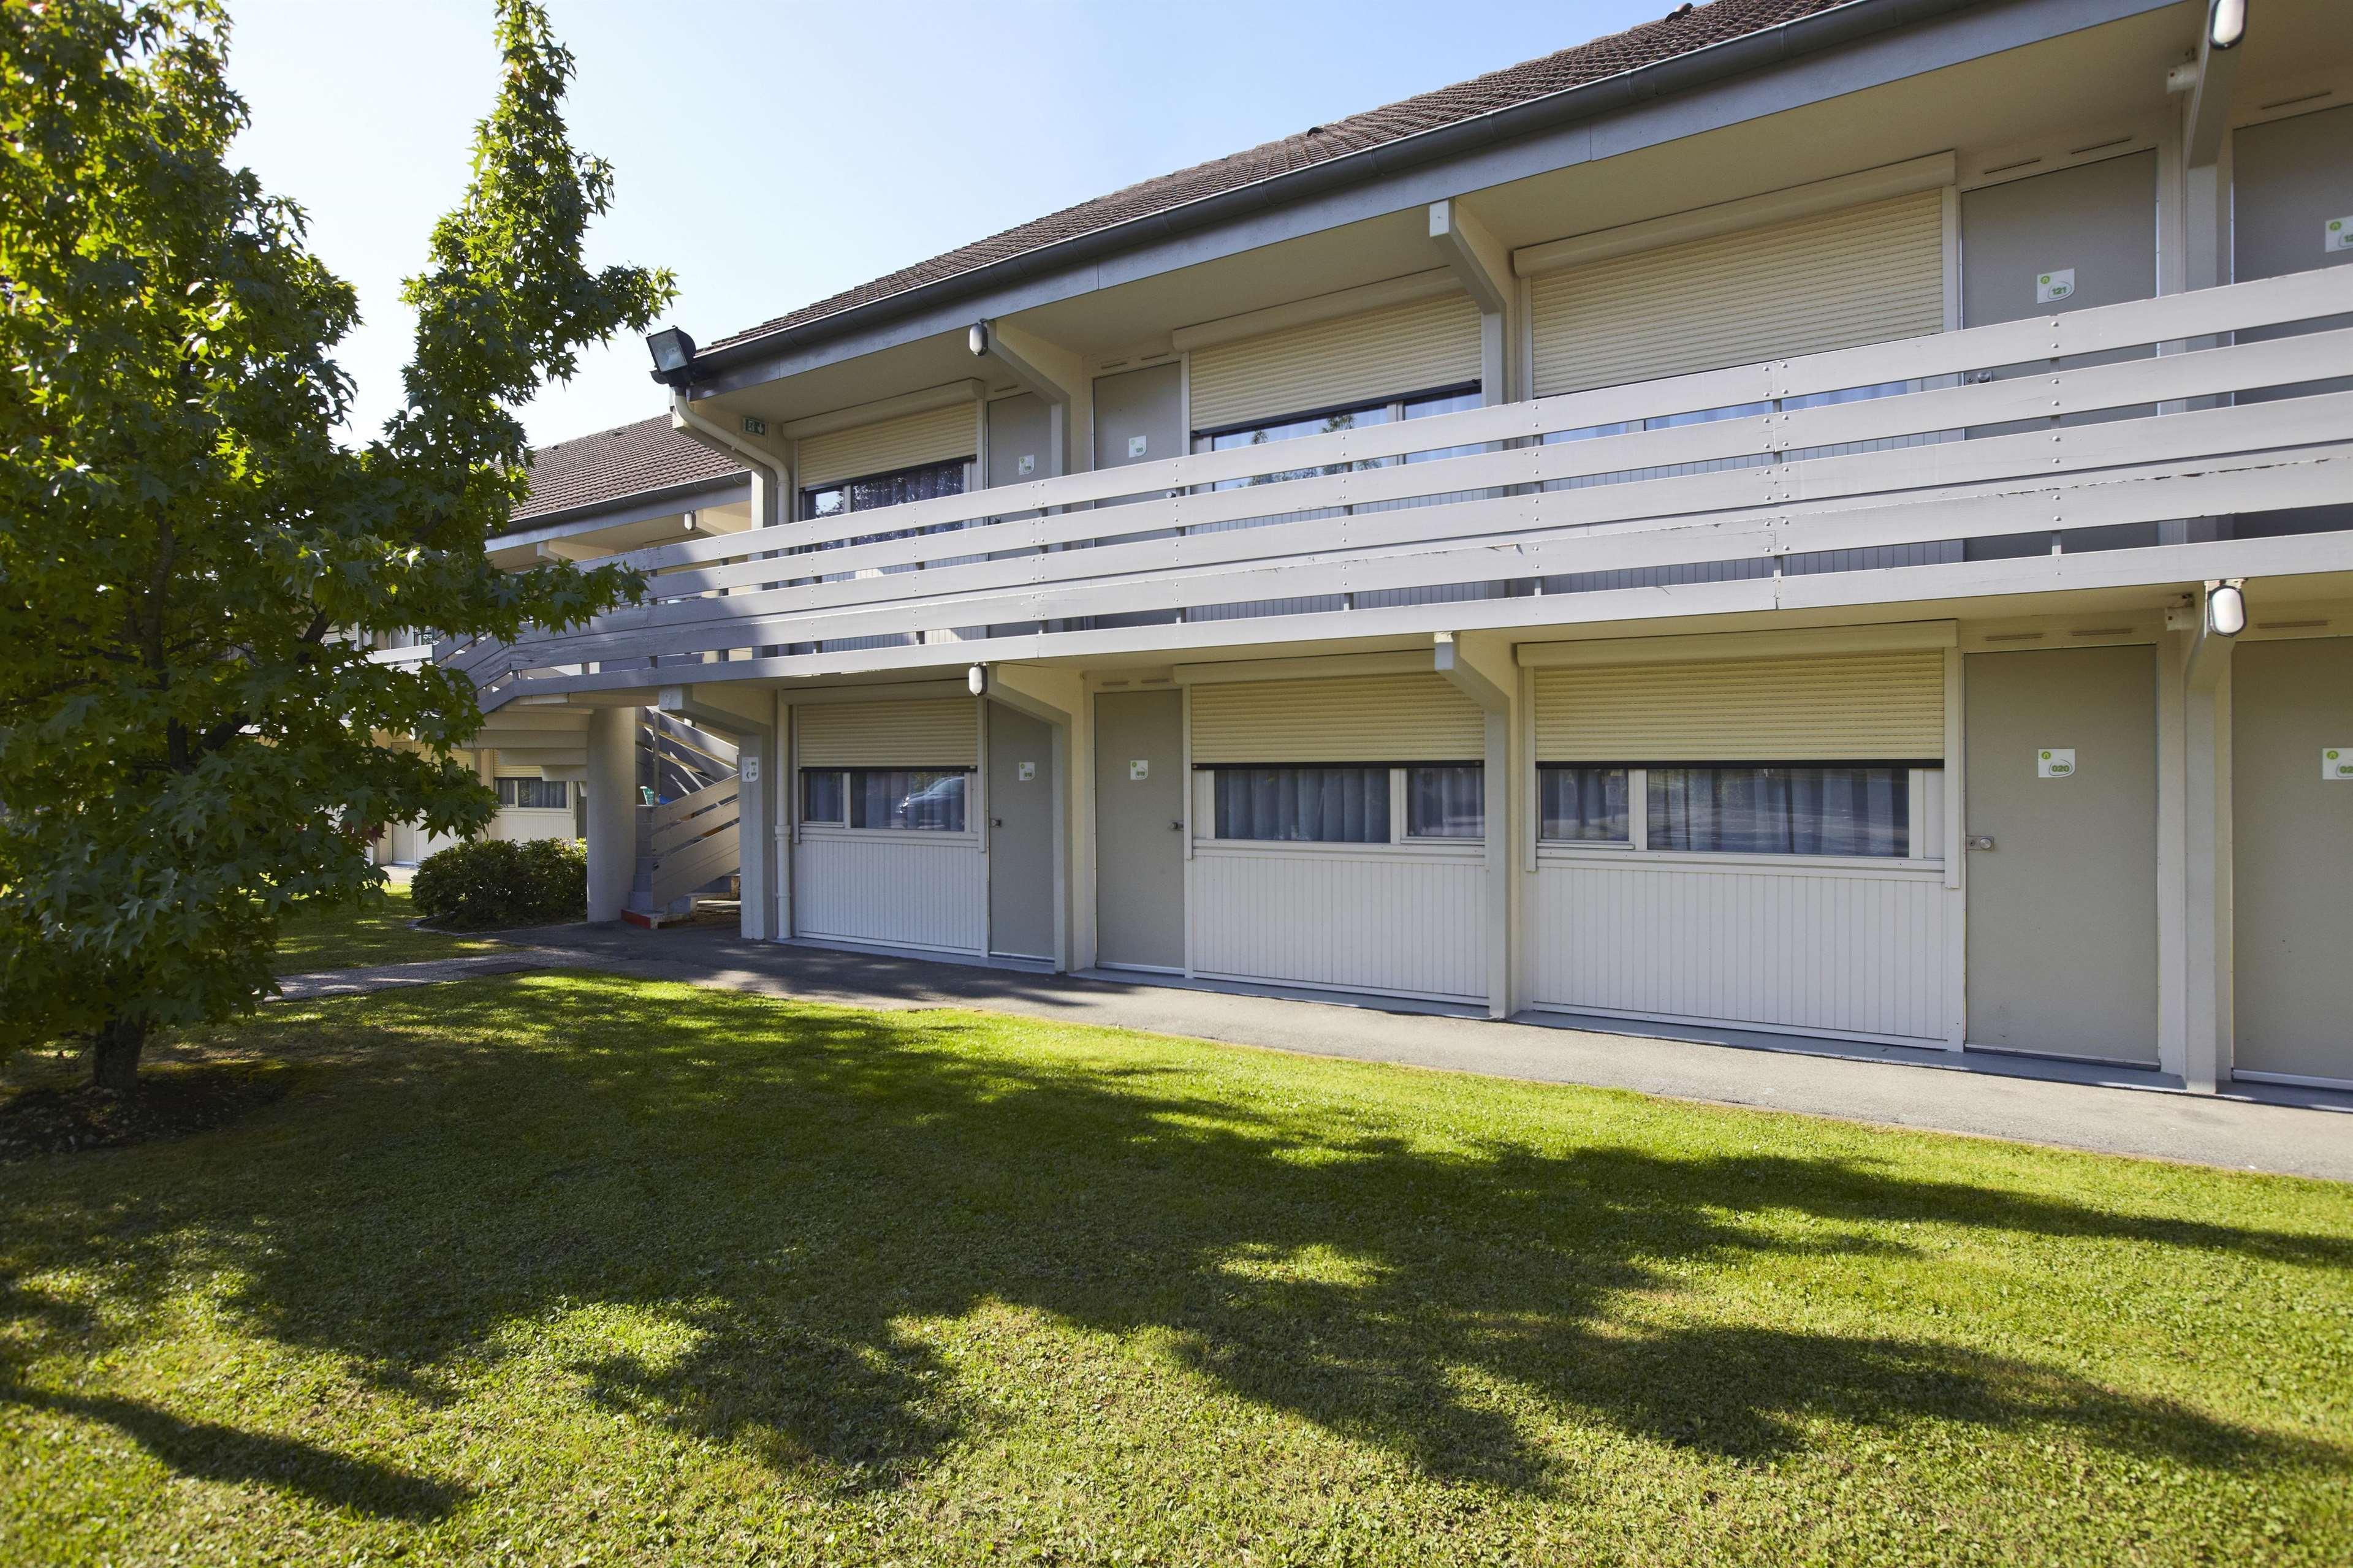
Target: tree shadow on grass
[
  {"x": 798, "y": 1188},
  {"x": 207, "y": 1450}
]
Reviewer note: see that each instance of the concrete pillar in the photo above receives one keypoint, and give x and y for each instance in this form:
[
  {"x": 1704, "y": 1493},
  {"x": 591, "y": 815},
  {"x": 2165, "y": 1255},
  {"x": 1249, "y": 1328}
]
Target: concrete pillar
[
  {"x": 612, "y": 800},
  {"x": 2208, "y": 959}
]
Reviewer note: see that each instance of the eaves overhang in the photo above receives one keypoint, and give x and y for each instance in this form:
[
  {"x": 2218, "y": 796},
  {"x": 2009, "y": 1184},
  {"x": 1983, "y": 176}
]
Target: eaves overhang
[{"x": 1683, "y": 73}]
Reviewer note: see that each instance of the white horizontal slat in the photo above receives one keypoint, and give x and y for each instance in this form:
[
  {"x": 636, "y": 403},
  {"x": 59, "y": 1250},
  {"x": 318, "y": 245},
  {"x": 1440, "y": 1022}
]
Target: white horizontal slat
[
  {"x": 679, "y": 874},
  {"x": 1850, "y": 476},
  {"x": 2167, "y": 319},
  {"x": 2086, "y": 390},
  {"x": 2199, "y": 487},
  {"x": 690, "y": 817},
  {"x": 1856, "y": 501},
  {"x": 1869, "y": 588}
]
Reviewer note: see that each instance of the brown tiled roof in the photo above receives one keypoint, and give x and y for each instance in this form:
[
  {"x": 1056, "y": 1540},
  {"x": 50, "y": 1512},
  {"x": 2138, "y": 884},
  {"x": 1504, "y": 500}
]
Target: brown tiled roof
[
  {"x": 1683, "y": 30},
  {"x": 614, "y": 464}
]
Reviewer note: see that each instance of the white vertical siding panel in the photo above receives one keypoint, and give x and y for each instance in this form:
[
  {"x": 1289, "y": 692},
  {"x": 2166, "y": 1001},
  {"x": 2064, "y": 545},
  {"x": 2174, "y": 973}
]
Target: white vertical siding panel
[
  {"x": 1411, "y": 924},
  {"x": 1838, "y": 950},
  {"x": 909, "y": 890}
]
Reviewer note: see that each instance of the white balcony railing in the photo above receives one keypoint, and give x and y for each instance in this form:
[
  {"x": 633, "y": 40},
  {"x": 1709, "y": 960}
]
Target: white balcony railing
[{"x": 1928, "y": 441}]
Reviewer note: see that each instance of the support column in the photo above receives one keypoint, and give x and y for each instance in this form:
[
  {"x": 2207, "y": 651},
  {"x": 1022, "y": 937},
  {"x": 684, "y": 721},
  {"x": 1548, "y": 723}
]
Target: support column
[
  {"x": 612, "y": 790},
  {"x": 1481, "y": 669},
  {"x": 2206, "y": 866}
]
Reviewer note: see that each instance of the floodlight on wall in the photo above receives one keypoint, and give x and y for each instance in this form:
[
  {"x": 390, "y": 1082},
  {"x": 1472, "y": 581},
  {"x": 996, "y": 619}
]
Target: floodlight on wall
[
  {"x": 2226, "y": 607},
  {"x": 2226, "y": 23},
  {"x": 673, "y": 351},
  {"x": 976, "y": 338}
]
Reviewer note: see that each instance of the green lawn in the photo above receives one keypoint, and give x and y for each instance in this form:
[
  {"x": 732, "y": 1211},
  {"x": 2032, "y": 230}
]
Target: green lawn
[
  {"x": 556, "y": 1269},
  {"x": 341, "y": 936}
]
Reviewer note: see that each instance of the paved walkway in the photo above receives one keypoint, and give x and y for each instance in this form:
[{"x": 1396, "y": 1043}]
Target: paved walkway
[
  {"x": 2112, "y": 1111},
  {"x": 393, "y": 976}
]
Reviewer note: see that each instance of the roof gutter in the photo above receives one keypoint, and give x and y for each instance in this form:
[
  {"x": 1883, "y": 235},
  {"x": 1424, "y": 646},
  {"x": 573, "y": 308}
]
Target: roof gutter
[
  {"x": 695, "y": 427},
  {"x": 1681, "y": 73}
]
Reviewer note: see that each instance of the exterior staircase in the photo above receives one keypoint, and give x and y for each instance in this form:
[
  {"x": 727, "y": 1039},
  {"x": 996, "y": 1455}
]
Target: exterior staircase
[{"x": 687, "y": 844}]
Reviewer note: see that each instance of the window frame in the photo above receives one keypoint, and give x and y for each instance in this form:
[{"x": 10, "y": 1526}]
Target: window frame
[
  {"x": 804, "y": 512},
  {"x": 839, "y": 827},
  {"x": 1394, "y": 406},
  {"x": 1924, "y": 804},
  {"x": 1204, "y": 802},
  {"x": 503, "y": 780}
]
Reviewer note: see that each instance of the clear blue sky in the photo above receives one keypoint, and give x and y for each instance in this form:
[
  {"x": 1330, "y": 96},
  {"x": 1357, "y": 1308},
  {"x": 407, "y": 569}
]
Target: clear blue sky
[{"x": 771, "y": 155}]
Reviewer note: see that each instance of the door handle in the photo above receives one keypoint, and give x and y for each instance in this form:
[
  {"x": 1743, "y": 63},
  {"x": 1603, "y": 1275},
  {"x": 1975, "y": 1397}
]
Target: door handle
[
  {"x": 1176, "y": 827},
  {"x": 996, "y": 822},
  {"x": 1980, "y": 841}
]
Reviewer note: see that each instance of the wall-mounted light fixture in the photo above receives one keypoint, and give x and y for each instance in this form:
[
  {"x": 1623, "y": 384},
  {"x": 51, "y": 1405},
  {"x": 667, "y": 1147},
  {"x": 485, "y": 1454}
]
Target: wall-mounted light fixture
[
  {"x": 975, "y": 680},
  {"x": 2226, "y": 23},
  {"x": 2226, "y": 606},
  {"x": 673, "y": 351},
  {"x": 976, "y": 338}
]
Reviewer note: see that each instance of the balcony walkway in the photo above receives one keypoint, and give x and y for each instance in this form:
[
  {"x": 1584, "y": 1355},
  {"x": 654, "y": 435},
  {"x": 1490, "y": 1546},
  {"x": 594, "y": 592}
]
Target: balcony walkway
[{"x": 2290, "y": 1133}]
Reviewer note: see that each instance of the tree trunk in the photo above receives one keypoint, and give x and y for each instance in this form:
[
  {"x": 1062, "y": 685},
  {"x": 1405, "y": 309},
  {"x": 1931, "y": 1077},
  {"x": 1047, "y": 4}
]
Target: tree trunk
[{"x": 114, "y": 1055}]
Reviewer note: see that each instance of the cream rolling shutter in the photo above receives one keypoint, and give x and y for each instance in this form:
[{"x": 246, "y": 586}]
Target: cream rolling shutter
[
  {"x": 934, "y": 437},
  {"x": 1880, "y": 706},
  {"x": 1829, "y": 280},
  {"x": 942, "y": 733},
  {"x": 1355, "y": 718},
  {"x": 1418, "y": 346}
]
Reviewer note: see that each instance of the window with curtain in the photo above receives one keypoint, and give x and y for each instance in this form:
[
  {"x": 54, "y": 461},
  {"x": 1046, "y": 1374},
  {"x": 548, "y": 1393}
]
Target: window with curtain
[
  {"x": 1349, "y": 804},
  {"x": 1748, "y": 809},
  {"x": 822, "y": 796},
  {"x": 1291, "y": 427},
  {"x": 535, "y": 794},
  {"x": 1447, "y": 802},
  {"x": 1303, "y": 805},
  {"x": 1582, "y": 804},
  {"x": 1730, "y": 808},
  {"x": 926, "y": 482},
  {"x": 920, "y": 800}
]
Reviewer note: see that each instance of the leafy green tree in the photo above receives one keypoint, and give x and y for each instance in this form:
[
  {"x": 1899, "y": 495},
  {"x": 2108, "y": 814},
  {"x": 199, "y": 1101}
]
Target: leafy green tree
[{"x": 191, "y": 562}]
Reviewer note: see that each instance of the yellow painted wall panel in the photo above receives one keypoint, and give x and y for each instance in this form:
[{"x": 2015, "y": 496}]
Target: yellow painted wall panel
[
  {"x": 1884, "y": 706},
  {"x": 1348, "y": 719}
]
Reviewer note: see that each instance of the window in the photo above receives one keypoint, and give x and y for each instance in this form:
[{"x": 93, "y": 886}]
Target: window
[
  {"x": 1709, "y": 417},
  {"x": 924, "y": 482},
  {"x": 1352, "y": 803},
  {"x": 1739, "y": 809},
  {"x": 1447, "y": 802},
  {"x": 1757, "y": 810},
  {"x": 1304, "y": 805},
  {"x": 1583, "y": 806},
  {"x": 535, "y": 794},
  {"x": 923, "y": 800},
  {"x": 822, "y": 796},
  {"x": 1291, "y": 427}
]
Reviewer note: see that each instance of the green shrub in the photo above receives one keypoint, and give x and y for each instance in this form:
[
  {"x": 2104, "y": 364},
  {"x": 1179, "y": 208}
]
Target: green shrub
[{"x": 496, "y": 882}]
